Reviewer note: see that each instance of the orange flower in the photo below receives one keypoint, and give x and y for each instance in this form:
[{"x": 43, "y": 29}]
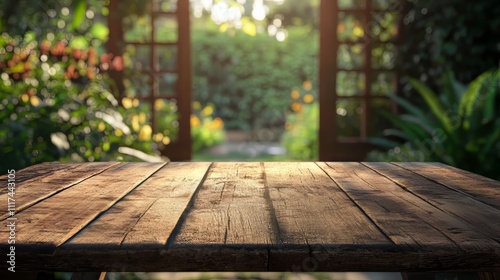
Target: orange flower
[
  {"x": 92, "y": 56},
  {"x": 117, "y": 63},
  {"x": 340, "y": 28},
  {"x": 307, "y": 85},
  {"x": 58, "y": 49},
  {"x": 295, "y": 94},
  {"x": 45, "y": 47},
  {"x": 308, "y": 98},
  {"x": 296, "y": 107}
]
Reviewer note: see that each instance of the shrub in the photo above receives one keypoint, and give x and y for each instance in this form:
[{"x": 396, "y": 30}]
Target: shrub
[
  {"x": 449, "y": 34},
  {"x": 56, "y": 105},
  {"x": 248, "y": 78},
  {"x": 206, "y": 131},
  {"x": 302, "y": 125},
  {"x": 461, "y": 127}
]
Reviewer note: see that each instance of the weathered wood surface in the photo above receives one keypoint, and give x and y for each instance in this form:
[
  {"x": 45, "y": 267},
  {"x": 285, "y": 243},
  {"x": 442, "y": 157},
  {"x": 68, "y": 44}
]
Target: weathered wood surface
[{"x": 286, "y": 216}]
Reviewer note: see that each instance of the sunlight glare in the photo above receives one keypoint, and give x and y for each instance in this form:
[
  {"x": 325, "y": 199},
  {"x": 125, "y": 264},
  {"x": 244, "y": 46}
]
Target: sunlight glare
[
  {"x": 258, "y": 10},
  {"x": 281, "y": 35}
]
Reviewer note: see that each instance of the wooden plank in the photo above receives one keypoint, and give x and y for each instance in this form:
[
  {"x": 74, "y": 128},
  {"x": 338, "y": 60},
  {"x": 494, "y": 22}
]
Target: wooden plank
[
  {"x": 54, "y": 220},
  {"x": 477, "y": 214},
  {"x": 54, "y": 178},
  {"x": 37, "y": 171},
  {"x": 229, "y": 222},
  {"x": 312, "y": 210},
  {"x": 149, "y": 213},
  {"x": 409, "y": 220},
  {"x": 254, "y": 217},
  {"x": 481, "y": 188}
]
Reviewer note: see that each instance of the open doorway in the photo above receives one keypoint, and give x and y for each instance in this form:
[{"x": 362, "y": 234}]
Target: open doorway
[
  {"x": 240, "y": 79},
  {"x": 255, "y": 69}
]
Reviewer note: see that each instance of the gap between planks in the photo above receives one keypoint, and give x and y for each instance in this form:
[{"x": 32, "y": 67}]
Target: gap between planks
[
  {"x": 473, "y": 212},
  {"x": 73, "y": 209},
  {"x": 33, "y": 194}
]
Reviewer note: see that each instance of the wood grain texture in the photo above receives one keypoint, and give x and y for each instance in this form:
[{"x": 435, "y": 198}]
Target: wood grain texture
[
  {"x": 58, "y": 176},
  {"x": 477, "y": 214},
  {"x": 148, "y": 214},
  {"x": 409, "y": 220},
  {"x": 54, "y": 220},
  {"x": 229, "y": 223},
  {"x": 481, "y": 188},
  {"x": 281, "y": 216},
  {"x": 38, "y": 171},
  {"x": 314, "y": 216}
]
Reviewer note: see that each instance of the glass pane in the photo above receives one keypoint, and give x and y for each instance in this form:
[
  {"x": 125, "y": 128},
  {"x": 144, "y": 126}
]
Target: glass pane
[
  {"x": 137, "y": 57},
  {"x": 350, "y": 26},
  {"x": 137, "y": 29},
  {"x": 167, "y": 57},
  {"x": 351, "y": 4},
  {"x": 350, "y": 83},
  {"x": 383, "y": 56},
  {"x": 167, "y": 124},
  {"x": 384, "y": 26},
  {"x": 349, "y": 112},
  {"x": 137, "y": 85},
  {"x": 383, "y": 83},
  {"x": 167, "y": 85},
  {"x": 377, "y": 121},
  {"x": 350, "y": 56},
  {"x": 165, "y": 29},
  {"x": 165, "y": 5}
]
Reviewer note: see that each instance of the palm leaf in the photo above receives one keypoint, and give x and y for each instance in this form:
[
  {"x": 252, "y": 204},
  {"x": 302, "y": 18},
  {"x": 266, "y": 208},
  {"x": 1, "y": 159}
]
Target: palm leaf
[
  {"x": 418, "y": 121},
  {"x": 79, "y": 10},
  {"x": 470, "y": 96},
  {"x": 395, "y": 132},
  {"x": 382, "y": 142},
  {"x": 410, "y": 108},
  {"x": 411, "y": 130},
  {"x": 489, "y": 110},
  {"x": 434, "y": 104}
]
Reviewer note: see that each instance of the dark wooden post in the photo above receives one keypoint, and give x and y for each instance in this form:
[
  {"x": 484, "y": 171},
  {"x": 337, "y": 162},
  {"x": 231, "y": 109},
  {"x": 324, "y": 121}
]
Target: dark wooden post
[
  {"x": 327, "y": 81},
  {"x": 181, "y": 150},
  {"x": 114, "y": 44}
]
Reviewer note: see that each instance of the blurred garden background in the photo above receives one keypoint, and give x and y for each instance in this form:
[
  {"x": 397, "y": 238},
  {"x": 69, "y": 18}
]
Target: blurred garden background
[
  {"x": 102, "y": 80},
  {"x": 99, "y": 80}
]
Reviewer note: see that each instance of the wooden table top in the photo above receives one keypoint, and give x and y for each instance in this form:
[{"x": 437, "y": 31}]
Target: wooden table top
[{"x": 281, "y": 216}]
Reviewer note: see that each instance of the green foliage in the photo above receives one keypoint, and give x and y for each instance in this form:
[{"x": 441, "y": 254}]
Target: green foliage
[
  {"x": 206, "y": 131},
  {"x": 301, "y": 135},
  {"x": 461, "y": 127},
  {"x": 450, "y": 34},
  {"x": 63, "y": 18},
  {"x": 56, "y": 105},
  {"x": 297, "y": 12},
  {"x": 249, "y": 78}
]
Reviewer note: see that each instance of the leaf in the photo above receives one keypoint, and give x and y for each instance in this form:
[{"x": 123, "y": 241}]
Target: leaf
[
  {"x": 79, "y": 42},
  {"x": 99, "y": 31},
  {"x": 418, "y": 121},
  {"x": 79, "y": 10},
  {"x": 417, "y": 112},
  {"x": 382, "y": 142},
  {"x": 493, "y": 139},
  {"x": 493, "y": 90},
  {"x": 470, "y": 96},
  {"x": 412, "y": 131},
  {"x": 395, "y": 132},
  {"x": 434, "y": 104},
  {"x": 453, "y": 90}
]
